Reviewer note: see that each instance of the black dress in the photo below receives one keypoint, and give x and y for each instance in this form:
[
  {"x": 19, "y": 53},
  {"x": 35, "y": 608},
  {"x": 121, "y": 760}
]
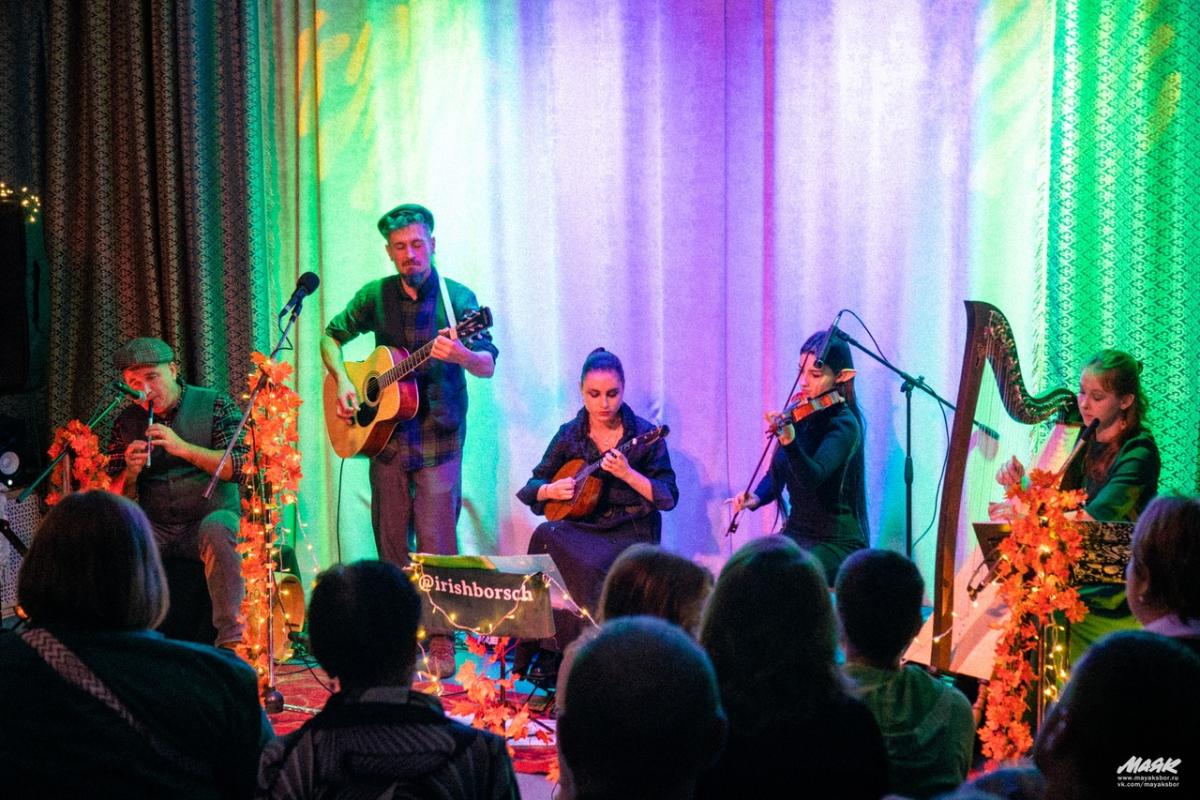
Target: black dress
[
  {"x": 584, "y": 549},
  {"x": 822, "y": 471}
]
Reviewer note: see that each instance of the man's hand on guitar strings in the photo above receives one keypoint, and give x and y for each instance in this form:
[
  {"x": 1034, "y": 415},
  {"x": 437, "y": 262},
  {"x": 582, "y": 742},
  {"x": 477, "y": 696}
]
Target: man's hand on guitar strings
[{"x": 347, "y": 401}]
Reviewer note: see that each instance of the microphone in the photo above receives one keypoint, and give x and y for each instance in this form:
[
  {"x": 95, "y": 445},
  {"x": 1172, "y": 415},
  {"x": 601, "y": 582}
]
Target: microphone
[
  {"x": 1088, "y": 433},
  {"x": 307, "y": 284},
  {"x": 126, "y": 389},
  {"x": 820, "y": 362}
]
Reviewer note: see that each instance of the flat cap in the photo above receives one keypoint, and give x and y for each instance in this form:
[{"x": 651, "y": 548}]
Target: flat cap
[
  {"x": 143, "y": 350},
  {"x": 404, "y": 215}
]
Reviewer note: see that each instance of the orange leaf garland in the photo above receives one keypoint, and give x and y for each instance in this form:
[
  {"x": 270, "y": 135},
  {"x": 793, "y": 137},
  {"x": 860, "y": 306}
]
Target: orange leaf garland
[
  {"x": 272, "y": 471},
  {"x": 89, "y": 466},
  {"x": 1033, "y": 574}
]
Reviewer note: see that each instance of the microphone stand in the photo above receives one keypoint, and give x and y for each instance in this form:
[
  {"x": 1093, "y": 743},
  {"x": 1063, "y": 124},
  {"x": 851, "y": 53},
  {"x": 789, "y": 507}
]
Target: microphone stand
[
  {"x": 272, "y": 697},
  {"x": 909, "y": 383}
]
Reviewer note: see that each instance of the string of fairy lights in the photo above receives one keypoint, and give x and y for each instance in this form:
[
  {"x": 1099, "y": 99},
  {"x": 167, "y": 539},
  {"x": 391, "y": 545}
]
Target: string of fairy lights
[
  {"x": 31, "y": 204},
  {"x": 483, "y": 629}
]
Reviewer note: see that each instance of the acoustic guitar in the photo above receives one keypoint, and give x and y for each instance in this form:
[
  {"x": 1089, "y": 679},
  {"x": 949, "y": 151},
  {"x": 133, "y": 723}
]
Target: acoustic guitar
[
  {"x": 387, "y": 392},
  {"x": 587, "y": 485}
]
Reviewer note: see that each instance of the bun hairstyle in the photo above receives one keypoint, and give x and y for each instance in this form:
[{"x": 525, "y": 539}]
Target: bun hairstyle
[{"x": 600, "y": 360}]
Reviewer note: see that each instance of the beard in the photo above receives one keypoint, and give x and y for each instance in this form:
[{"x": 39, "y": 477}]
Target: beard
[{"x": 415, "y": 279}]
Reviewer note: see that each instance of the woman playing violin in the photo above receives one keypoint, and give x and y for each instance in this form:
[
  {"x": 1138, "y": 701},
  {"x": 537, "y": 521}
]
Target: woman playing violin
[
  {"x": 820, "y": 459},
  {"x": 634, "y": 486}
]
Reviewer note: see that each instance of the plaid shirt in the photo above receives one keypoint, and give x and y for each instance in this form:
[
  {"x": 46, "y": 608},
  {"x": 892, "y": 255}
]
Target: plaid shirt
[
  {"x": 436, "y": 433},
  {"x": 226, "y": 416}
]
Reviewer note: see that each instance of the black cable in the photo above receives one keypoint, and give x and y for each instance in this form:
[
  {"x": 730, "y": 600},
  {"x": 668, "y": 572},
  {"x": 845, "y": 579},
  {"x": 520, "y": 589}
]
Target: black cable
[
  {"x": 937, "y": 495},
  {"x": 337, "y": 518},
  {"x": 878, "y": 349},
  {"x": 326, "y": 686},
  {"x": 286, "y": 345}
]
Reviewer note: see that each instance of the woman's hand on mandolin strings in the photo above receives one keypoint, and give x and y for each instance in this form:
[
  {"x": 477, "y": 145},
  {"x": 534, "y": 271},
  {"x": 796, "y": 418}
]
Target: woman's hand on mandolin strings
[{"x": 615, "y": 464}]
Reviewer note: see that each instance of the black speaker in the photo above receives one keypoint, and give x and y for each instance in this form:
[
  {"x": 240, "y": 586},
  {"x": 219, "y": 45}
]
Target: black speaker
[
  {"x": 24, "y": 300},
  {"x": 20, "y": 458}
]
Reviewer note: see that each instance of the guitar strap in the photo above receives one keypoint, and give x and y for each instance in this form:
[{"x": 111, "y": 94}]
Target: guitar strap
[{"x": 451, "y": 320}]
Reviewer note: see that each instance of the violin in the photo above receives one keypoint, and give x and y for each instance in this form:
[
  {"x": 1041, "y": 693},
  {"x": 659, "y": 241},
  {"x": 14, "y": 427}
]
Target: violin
[{"x": 800, "y": 408}]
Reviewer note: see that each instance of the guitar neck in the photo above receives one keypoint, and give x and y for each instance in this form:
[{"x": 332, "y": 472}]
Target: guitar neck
[{"x": 400, "y": 371}]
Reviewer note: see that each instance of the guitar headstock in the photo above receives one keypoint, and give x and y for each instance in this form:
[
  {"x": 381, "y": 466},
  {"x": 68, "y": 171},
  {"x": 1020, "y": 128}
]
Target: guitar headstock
[{"x": 474, "y": 322}]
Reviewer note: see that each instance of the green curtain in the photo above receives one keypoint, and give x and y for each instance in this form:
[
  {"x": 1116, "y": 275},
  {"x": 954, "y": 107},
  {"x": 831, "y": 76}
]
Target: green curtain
[{"x": 1123, "y": 240}]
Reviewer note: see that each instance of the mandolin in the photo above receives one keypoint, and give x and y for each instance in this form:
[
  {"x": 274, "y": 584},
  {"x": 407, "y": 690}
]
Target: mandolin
[
  {"x": 587, "y": 485},
  {"x": 387, "y": 392}
]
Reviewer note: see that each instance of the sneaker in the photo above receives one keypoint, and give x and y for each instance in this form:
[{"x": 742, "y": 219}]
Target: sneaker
[{"x": 439, "y": 656}]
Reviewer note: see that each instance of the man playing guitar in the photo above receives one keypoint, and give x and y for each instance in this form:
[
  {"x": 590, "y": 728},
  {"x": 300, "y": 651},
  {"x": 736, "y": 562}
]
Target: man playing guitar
[{"x": 416, "y": 479}]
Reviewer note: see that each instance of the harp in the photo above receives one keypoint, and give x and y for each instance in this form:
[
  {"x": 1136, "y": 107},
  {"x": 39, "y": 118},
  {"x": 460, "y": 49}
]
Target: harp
[{"x": 990, "y": 347}]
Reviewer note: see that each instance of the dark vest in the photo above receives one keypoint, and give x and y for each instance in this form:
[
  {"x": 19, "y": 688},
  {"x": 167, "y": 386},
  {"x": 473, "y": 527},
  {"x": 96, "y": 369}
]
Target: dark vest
[
  {"x": 442, "y": 385},
  {"x": 171, "y": 490}
]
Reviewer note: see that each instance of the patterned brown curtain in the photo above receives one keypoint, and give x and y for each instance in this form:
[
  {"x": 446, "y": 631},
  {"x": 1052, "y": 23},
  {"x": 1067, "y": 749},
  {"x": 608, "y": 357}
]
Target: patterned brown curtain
[{"x": 146, "y": 197}]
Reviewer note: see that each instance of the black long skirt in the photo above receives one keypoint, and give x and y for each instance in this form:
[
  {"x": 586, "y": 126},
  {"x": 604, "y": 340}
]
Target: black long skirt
[{"x": 583, "y": 554}]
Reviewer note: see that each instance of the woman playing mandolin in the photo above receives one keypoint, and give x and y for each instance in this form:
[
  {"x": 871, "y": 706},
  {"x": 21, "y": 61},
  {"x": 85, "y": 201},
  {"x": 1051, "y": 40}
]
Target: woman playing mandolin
[
  {"x": 590, "y": 521},
  {"x": 819, "y": 460}
]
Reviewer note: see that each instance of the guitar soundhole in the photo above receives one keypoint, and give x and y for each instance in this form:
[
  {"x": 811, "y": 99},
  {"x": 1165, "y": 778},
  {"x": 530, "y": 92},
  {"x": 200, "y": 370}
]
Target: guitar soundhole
[
  {"x": 365, "y": 415},
  {"x": 372, "y": 390}
]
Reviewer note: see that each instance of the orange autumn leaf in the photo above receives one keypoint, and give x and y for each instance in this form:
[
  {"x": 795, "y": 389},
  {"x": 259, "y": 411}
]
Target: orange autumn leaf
[{"x": 89, "y": 467}]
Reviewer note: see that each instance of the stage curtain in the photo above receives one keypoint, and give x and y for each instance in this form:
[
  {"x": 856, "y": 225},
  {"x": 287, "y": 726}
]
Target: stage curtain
[
  {"x": 696, "y": 185},
  {"x": 1123, "y": 239},
  {"x": 147, "y": 192}
]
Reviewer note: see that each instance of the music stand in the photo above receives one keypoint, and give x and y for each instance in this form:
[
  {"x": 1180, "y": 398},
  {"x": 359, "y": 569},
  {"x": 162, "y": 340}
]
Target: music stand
[{"x": 1106, "y": 548}]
